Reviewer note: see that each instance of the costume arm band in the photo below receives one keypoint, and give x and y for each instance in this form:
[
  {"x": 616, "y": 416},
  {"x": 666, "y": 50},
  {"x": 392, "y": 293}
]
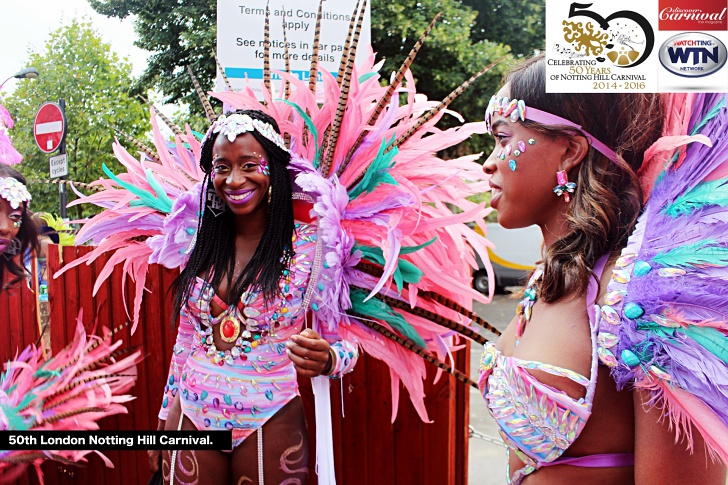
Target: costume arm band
[
  {"x": 179, "y": 355},
  {"x": 344, "y": 355}
]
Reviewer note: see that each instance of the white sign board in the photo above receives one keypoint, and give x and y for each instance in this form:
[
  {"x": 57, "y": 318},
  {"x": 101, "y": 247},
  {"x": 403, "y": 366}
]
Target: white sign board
[
  {"x": 59, "y": 166},
  {"x": 240, "y": 38}
]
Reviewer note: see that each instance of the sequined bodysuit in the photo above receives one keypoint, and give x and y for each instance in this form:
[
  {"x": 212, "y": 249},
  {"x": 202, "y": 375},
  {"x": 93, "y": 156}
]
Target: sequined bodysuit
[
  {"x": 242, "y": 389},
  {"x": 538, "y": 422}
]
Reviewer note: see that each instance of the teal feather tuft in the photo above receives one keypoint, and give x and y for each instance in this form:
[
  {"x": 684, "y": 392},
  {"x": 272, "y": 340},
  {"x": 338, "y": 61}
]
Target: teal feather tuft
[
  {"x": 710, "y": 338},
  {"x": 412, "y": 249},
  {"x": 703, "y": 253},
  {"x": 378, "y": 171},
  {"x": 713, "y": 193},
  {"x": 405, "y": 272},
  {"x": 379, "y": 310},
  {"x": 366, "y": 76},
  {"x": 164, "y": 201},
  {"x": 161, "y": 203},
  {"x": 711, "y": 114},
  {"x": 311, "y": 127},
  {"x": 696, "y": 129}
]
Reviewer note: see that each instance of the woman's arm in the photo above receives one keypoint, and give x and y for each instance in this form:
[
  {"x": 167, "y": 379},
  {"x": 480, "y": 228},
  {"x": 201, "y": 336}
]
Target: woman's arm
[
  {"x": 660, "y": 459},
  {"x": 179, "y": 355}
]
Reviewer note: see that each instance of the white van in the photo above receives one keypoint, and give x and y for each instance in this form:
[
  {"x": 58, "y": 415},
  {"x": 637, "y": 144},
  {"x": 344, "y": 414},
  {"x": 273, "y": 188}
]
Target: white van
[{"x": 515, "y": 254}]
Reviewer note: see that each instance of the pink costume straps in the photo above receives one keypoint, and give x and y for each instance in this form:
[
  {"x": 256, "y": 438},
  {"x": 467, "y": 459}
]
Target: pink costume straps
[
  {"x": 242, "y": 390},
  {"x": 538, "y": 422}
]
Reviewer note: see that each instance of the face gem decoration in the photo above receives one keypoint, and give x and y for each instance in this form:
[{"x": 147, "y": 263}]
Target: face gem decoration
[{"x": 512, "y": 165}]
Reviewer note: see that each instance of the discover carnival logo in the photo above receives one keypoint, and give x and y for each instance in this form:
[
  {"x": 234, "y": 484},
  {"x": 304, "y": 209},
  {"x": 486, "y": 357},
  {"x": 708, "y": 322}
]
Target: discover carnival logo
[
  {"x": 693, "y": 54},
  {"x": 693, "y": 15}
]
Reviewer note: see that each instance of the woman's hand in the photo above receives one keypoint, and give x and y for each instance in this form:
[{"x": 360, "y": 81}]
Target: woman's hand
[
  {"x": 154, "y": 457},
  {"x": 309, "y": 353}
]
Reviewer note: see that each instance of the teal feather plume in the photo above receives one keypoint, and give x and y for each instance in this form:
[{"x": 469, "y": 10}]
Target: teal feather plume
[
  {"x": 412, "y": 249},
  {"x": 696, "y": 129},
  {"x": 366, "y": 76},
  {"x": 379, "y": 310},
  {"x": 710, "y": 338},
  {"x": 703, "y": 253},
  {"x": 161, "y": 203},
  {"x": 311, "y": 127},
  {"x": 709, "y": 116},
  {"x": 405, "y": 272},
  {"x": 713, "y": 193},
  {"x": 378, "y": 171}
]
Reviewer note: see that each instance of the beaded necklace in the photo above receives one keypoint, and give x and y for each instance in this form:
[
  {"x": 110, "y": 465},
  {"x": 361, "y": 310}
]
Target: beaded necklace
[
  {"x": 524, "y": 308},
  {"x": 256, "y": 332}
]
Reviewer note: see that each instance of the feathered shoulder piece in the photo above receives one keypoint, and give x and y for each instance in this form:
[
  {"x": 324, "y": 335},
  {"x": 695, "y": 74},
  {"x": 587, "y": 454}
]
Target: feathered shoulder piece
[
  {"x": 665, "y": 322},
  {"x": 86, "y": 381},
  {"x": 8, "y": 154},
  {"x": 151, "y": 211},
  {"x": 393, "y": 264}
]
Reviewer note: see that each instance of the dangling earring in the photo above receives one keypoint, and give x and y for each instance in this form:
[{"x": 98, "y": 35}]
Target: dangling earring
[
  {"x": 214, "y": 203},
  {"x": 12, "y": 249},
  {"x": 270, "y": 193},
  {"x": 564, "y": 187}
]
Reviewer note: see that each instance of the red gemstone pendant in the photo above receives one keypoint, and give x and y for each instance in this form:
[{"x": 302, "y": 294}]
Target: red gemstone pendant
[{"x": 229, "y": 329}]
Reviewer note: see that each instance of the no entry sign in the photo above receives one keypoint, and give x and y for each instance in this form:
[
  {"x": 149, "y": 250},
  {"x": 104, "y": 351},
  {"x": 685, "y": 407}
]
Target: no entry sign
[{"x": 49, "y": 127}]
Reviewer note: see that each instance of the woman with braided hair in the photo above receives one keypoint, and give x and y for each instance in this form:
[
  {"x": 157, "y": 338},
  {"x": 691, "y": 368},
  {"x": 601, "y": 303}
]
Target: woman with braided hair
[
  {"x": 18, "y": 232},
  {"x": 627, "y": 292},
  {"x": 243, "y": 333}
]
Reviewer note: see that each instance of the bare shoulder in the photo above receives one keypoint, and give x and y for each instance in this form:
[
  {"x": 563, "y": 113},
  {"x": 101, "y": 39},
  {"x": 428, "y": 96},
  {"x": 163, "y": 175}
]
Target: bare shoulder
[{"x": 558, "y": 334}]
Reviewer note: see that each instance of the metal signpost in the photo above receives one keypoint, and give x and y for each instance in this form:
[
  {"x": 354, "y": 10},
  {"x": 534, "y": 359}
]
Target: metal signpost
[{"x": 49, "y": 131}]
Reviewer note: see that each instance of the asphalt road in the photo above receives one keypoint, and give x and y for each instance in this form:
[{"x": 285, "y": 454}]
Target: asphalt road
[{"x": 487, "y": 460}]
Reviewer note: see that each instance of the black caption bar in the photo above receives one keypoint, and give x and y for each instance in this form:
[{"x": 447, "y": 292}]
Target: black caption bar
[{"x": 116, "y": 440}]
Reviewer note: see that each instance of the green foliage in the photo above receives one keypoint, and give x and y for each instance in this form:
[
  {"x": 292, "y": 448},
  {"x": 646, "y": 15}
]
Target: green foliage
[
  {"x": 470, "y": 35},
  {"x": 517, "y": 23},
  {"x": 178, "y": 34},
  {"x": 448, "y": 58},
  {"x": 78, "y": 66}
]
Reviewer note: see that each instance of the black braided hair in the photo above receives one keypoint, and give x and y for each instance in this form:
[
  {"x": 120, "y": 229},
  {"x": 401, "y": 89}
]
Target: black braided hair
[
  {"x": 215, "y": 244},
  {"x": 28, "y": 236}
]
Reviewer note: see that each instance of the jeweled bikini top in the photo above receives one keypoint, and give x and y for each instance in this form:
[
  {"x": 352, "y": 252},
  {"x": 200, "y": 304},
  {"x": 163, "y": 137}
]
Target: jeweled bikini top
[{"x": 536, "y": 421}]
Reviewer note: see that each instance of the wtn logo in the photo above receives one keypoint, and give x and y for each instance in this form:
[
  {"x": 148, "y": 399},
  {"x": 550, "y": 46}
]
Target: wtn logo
[
  {"x": 692, "y": 54},
  {"x": 700, "y": 55}
]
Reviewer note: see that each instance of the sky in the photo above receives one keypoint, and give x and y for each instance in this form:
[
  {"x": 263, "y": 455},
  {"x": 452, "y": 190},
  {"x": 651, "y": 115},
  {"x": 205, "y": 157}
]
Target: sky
[{"x": 25, "y": 29}]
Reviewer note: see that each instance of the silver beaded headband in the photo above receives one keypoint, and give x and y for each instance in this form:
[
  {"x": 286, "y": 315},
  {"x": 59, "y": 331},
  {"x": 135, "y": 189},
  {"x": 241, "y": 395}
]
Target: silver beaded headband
[
  {"x": 235, "y": 124},
  {"x": 12, "y": 190}
]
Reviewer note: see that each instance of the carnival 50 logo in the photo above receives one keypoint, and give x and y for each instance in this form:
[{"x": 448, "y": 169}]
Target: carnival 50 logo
[
  {"x": 625, "y": 38},
  {"x": 692, "y": 54}
]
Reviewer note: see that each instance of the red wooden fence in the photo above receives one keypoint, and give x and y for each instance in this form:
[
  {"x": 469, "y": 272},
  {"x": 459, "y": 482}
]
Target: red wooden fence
[{"x": 369, "y": 449}]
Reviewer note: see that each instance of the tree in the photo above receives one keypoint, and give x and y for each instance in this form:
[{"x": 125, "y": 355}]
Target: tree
[
  {"x": 448, "y": 57},
  {"x": 184, "y": 33},
  {"x": 517, "y": 23},
  {"x": 78, "y": 66},
  {"x": 178, "y": 34}
]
